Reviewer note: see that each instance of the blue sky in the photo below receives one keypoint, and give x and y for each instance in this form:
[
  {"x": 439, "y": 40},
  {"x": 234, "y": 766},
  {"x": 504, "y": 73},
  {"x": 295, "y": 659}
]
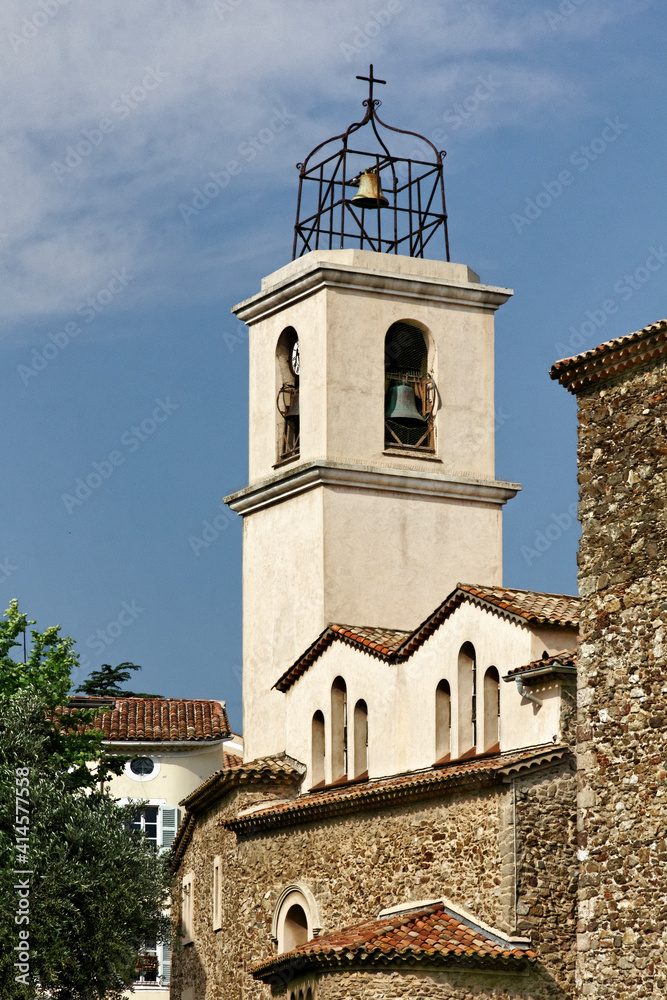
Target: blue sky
[{"x": 120, "y": 358}]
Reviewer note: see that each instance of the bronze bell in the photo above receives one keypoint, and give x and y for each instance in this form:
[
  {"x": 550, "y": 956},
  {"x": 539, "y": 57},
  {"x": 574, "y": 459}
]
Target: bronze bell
[
  {"x": 293, "y": 410},
  {"x": 402, "y": 408},
  {"x": 369, "y": 194}
]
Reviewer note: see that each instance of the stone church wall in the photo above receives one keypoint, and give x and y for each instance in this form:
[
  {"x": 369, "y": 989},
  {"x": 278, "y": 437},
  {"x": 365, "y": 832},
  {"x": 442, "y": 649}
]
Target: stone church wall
[
  {"x": 547, "y": 869},
  {"x": 623, "y": 686},
  {"x": 461, "y": 847},
  {"x": 532, "y": 984}
]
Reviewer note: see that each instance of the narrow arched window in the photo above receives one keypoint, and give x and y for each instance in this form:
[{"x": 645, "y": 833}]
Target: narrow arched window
[
  {"x": 318, "y": 750},
  {"x": 443, "y": 721},
  {"x": 491, "y": 708},
  {"x": 360, "y": 739},
  {"x": 288, "y": 426},
  {"x": 295, "y": 927},
  {"x": 467, "y": 699},
  {"x": 409, "y": 391},
  {"x": 338, "y": 729}
]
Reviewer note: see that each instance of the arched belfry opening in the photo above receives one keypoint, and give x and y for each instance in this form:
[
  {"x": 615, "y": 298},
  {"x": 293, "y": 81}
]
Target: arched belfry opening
[
  {"x": 356, "y": 192},
  {"x": 410, "y": 392},
  {"x": 288, "y": 427}
]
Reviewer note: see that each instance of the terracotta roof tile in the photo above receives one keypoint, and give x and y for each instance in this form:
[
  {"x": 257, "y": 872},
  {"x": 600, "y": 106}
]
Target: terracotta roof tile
[
  {"x": 392, "y": 645},
  {"x": 531, "y": 605},
  {"x": 383, "y": 640},
  {"x": 158, "y": 719},
  {"x": 612, "y": 357},
  {"x": 231, "y": 760},
  {"x": 352, "y": 797},
  {"x": 566, "y": 658},
  {"x": 430, "y": 933}
]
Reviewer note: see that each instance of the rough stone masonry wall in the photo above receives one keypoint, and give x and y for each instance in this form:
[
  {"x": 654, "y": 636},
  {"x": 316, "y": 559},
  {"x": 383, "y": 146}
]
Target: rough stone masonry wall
[
  {"x": 354, "y": 866},
  {"x": 530, "y": 984},
  {"x": 623, "y": 687},
  {"x": 546, "y": 903},
  {"x": 461, "y": 846}
]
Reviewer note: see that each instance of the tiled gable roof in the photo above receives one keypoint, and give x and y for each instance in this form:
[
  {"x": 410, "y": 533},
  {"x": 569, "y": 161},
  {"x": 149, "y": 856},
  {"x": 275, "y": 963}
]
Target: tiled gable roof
[
  {"x": 567, "y": 658},
  {"x": 430, "y": 933},
  {"x": 528, "y": 606},
  {"x": 158, "y": 719},
  {"x": 383, "y": 792},
  {"x": 268, "y": 771},
  {"x": 383, "y": 640},
  {"x": 612, "y": 357}
]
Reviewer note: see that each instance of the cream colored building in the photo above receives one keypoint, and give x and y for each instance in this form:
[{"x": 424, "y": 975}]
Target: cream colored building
[{"x": 172, "y": 746}]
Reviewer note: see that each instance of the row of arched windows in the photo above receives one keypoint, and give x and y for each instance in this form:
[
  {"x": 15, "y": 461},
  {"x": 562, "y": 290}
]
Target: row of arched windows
[
  {"x": 340, "y": 737},
  {"x": 471, "y": 735},
  {"x": 348, "y": 738}
]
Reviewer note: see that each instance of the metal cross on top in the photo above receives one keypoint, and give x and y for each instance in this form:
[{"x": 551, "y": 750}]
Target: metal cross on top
[
  {"x": 371, "y": 80},
  {"x": 403, "y": 220}
]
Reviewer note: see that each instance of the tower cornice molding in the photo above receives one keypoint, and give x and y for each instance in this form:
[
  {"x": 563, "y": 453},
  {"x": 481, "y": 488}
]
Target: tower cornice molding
[
  {"x": 324, "y": 472},
  {"x": 403, "y": 280}
]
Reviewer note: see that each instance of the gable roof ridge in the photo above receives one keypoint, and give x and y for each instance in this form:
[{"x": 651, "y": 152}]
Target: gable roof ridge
[{"x": 486, "y": 597}]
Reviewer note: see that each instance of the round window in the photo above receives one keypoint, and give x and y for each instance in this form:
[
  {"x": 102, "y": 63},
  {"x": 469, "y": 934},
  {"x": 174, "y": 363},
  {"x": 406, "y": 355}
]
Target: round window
[{"x": 142, "y": 766}]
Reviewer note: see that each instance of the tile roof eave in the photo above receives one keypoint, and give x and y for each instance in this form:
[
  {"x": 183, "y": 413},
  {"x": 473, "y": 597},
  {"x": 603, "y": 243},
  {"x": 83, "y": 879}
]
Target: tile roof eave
[
  {"x": 288, "y": 966},
  {"x": 612, "y": 357},
  {"x": 130, "y": 719},
  {"x": 530, "y": 671},
  {"x": 564, "y": 662},
  {"x": 483, "y": 772}
]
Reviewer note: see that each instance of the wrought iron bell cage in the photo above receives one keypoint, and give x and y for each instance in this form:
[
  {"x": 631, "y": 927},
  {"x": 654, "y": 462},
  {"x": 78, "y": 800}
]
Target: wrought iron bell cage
[{"x": 409, "y": 213}]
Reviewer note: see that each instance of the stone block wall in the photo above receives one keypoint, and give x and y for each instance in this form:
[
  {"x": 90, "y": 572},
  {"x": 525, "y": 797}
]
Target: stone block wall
[
  {"x": 531, "y": 983},
  {"x": 622, "y": 719},
  {"x": 460, "y": 846},
  {"x": 546, "y": 903}
]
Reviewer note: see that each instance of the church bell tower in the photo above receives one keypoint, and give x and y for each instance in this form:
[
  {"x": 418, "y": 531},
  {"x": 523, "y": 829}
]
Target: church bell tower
[{"x": 372, "y": 487}]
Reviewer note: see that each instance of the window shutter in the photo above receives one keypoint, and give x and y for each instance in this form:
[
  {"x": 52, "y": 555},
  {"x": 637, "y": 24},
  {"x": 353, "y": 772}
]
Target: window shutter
[
  {"x": 169, "y": 825},
  {"x": 165, "y": 964}
]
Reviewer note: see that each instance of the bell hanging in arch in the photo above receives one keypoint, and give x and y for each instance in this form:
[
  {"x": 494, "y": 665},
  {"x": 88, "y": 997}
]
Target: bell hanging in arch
[
  {"x": 402, "y": 407},
  {"x": 293, "y": 410},
  {"x": 369, "y": 194}
]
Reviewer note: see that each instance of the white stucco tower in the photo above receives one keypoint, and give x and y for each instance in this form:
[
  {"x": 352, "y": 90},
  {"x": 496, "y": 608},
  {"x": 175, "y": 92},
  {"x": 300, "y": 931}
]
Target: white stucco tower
[{"x": 372, "y": 488}]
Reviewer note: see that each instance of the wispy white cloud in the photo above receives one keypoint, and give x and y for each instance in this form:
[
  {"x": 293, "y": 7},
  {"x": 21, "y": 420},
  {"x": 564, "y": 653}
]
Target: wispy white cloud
[{"x": 198, "y": 80}]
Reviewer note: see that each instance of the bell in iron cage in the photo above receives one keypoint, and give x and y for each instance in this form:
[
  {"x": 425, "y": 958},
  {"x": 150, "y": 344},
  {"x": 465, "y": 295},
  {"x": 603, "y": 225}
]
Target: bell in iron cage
[
  {"x": 369, "y": 194},
  {"x": 402, "y": 407}
]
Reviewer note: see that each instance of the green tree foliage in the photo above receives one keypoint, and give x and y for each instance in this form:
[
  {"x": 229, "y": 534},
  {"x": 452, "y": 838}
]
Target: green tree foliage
[
  {"x": 46, "y": 673},
  {"x": 95, "y": 890},
  {"x": 106, "y": 681}
]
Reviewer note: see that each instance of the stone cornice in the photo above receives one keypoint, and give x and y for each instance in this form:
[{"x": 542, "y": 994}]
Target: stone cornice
[
  {"x": 326, "y": 274},
  {"x": 324, "y": 472}
]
